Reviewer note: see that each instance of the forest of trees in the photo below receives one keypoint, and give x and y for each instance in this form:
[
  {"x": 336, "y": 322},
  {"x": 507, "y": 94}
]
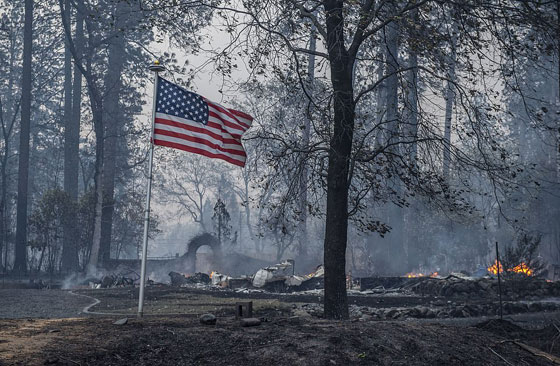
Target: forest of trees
[{"x": 389, "y": 136}]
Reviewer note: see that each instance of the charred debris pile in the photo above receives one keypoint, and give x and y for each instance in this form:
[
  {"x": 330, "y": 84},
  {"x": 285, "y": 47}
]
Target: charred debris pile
[
  {"x": 281, "y": 278},
  {"x": 378, "y": 298},
  {"x": 452, "y": 296},
  {"x": 276, "y": 278}
]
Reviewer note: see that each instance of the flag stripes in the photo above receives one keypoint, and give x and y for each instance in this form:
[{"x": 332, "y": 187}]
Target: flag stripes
[
  {"x": 201, "y": 151},
  {"x": 192, "y": 123}
]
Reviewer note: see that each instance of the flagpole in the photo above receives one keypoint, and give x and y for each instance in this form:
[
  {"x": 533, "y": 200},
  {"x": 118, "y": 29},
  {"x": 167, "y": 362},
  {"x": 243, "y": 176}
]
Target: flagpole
[{"x": 156, "y": 68}]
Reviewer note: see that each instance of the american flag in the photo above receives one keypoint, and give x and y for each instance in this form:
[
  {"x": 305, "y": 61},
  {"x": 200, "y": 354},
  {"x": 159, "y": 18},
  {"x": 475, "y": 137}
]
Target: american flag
[{"x": 190, "y": 122}]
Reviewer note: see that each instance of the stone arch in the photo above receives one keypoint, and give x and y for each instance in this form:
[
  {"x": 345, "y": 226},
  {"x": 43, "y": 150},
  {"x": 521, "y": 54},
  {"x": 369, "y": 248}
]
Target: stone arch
[{"x": 197, "y": 242}]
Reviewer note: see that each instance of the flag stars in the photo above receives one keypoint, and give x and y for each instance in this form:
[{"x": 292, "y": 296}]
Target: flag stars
[{"x": 175, "y": 101}]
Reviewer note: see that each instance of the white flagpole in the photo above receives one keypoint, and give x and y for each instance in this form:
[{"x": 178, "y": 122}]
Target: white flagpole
[{"x": 156, "y": 68}]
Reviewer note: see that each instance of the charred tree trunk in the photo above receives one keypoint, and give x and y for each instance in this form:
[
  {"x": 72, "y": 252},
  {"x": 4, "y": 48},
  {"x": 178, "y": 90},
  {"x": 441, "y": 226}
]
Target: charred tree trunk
[
  {"x": 412, "y": 81},
  {"x": 3, "y": 205},
  {"x": 8, "y": 122},
  {"x": 303, "y": 182},
  {"x": 392, "y": 85},
  {"x": 558, "y": 94},
  {"x": 380, "y": 97},
  {"x": 71, "y": 143},
  {"x": 247, "y": 206},
  {"x": 20, "y": 264},
  {"x": 113, "y": 118},
  {"x": 97, "y": 112},
  {"x": 412, "y": 135},
  {"x": 74, "y": 162},
  {"x": 336, "y": 231},
  {"x": 396, "y": 213},
  {"x": 84, "y": 64},
  {"x": 449, "y": 99}
]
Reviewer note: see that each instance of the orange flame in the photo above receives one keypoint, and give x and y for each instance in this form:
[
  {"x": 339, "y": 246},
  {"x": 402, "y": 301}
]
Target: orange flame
[
  {"x": 520, "y": 268},
  {"x": 494, "y": 268},
  {"x": 212, "y": 274},
  {"x": 416, "y": 275}
]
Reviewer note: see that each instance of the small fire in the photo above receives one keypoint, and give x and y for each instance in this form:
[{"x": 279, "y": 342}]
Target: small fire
[
  {"x": 212, "y": 274},
  {"x": 416, "y": 275},
  {"x": 520, "y": 268},
  {"x": 494, "y": 268}
]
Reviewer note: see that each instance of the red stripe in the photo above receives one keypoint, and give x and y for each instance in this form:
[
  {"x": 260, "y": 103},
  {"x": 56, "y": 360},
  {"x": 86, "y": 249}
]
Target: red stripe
[
  {"x": 198, "y": 129},
  {"x": 241, "y": 114},
  {"x": 220, "y": 127},
  {"x": 227, "y": 112},
  {"x": 198, "y": 140},
  {"x": 209, "y": 124},
  {"x": 226, "y": 122},
  {"x": 199, "y": 151}
]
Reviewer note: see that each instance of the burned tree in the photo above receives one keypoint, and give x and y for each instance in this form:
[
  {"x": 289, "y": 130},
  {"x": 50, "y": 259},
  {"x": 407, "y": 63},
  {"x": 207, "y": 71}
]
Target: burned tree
[
  {"x": 20, "y": 264},
  {"x": 390, "y": 156}
]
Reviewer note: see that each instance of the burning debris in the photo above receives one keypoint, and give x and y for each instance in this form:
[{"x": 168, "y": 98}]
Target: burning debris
[
  {"x": 417, "y": 275},
  {"x": 521, "y": 268}
]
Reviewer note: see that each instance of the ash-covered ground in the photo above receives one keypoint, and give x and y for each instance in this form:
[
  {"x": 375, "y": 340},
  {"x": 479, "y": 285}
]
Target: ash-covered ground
[{"x": 50, "y": 327}]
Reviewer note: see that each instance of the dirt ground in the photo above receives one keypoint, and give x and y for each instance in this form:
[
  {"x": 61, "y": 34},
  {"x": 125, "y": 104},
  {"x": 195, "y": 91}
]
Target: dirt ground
[
  {"x": 21, "y": 303},
  {"x": 283, "y": 338},
  {"x": 281, "y": 341}
]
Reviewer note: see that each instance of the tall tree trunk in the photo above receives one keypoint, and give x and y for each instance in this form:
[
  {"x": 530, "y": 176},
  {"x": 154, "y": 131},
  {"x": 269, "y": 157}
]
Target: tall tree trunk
[
  {"x": 412, "y": 81},
  {"x": 20, "y": 264},
  {"x": 449, "y": 99},
  {"x": 113, "y": 122},
  {"x": 558, "y": 94},
  {"x": 380, "y": 97},
  {"x": 336, "y": 223},
  {"x": 8, "y": 114},
  {"x": 97, "y": 112},
  {"x": 74, "y": 139},
  {"x": 556, "y": 232},
  {"x": 303, "y": 182},
  {"x": 3, "y": 201},
  {"x": 96, "y": 103},
  {"x": 392, "y": 59},
  {"x": 77, "y": 105},
  {"x": 410, "y": 212},
  {"x": 71, "y": 142},
  {"x": 3, "y": 206},
  {"x": 247, "y": 206},
  {"x": 397, "y": 255}
]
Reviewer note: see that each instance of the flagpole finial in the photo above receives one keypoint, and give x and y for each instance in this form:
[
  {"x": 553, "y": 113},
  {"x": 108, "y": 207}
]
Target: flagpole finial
[{"x": 156, "y": 66}]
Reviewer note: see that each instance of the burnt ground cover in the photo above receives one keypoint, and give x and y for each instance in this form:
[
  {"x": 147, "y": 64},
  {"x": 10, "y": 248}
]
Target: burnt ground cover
[
  {"x": 184, "y": 299},
  {"x": 21, "y": 303},
  {"x": 283, "y": 338},
  {"x": 180, "y": 340}
]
